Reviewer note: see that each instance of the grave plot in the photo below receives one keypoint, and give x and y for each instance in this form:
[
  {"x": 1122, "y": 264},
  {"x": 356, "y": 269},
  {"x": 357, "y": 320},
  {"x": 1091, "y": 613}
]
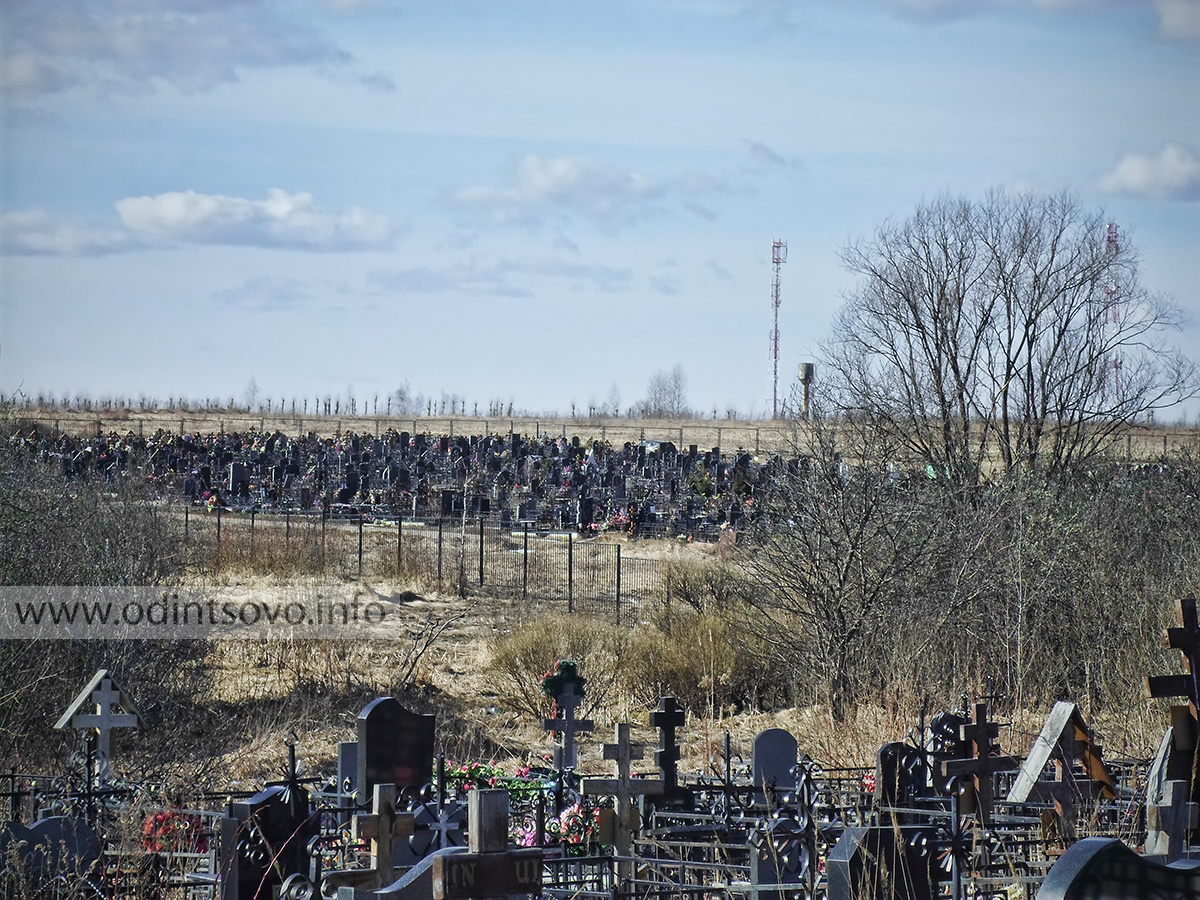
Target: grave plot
[{"x": 945, "y": 813}]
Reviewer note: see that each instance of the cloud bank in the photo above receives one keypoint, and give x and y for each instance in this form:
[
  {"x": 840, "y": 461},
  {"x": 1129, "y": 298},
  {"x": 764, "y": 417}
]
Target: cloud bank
[
  {"x": 34, "y": 232},
  {"x": 283, "y": 220},
  {"x": 1174, "y": 174},
  {"x": 503, "y": 277},
  {"x": 136, "y": 45}
]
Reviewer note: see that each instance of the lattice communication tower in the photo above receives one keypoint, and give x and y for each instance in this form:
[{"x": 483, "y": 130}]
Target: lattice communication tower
[
  {"x": 1111, "y": 322},
  {"x": 778, "y": 258}
]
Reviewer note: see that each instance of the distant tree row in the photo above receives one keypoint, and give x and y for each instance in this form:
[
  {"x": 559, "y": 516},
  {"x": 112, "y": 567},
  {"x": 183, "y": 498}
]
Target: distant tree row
[{"x": 666, "y": 398}]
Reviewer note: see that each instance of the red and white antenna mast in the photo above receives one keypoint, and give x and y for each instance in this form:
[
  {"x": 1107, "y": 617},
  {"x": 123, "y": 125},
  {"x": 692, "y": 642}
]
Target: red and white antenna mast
[
  {"x": 1111, "y": 322},
  {"x": 778, "y": 258}
]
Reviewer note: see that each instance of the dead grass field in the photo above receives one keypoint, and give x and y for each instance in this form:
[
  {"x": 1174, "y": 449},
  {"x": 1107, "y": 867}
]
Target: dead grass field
[{"x": 313, "y": 690}]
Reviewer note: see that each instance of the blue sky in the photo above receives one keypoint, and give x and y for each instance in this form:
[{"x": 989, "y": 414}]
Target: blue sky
[{"x": 537, "y": 201}]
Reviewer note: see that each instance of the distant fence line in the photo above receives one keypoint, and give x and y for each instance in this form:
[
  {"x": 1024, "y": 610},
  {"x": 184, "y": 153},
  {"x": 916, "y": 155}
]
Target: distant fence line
[
  {"x": 760, "y": 437},
  {"x": 543, "y": 569}
]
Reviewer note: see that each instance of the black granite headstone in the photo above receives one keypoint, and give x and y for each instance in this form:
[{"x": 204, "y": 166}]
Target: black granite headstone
[{"x": 395, "y": 746}]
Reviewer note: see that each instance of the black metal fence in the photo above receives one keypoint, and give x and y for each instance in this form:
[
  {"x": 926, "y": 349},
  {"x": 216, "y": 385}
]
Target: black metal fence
[{"x": 545, "y": 569}]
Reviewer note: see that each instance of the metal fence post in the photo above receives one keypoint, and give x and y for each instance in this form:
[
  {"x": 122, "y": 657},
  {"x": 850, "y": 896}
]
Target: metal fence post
[
  {"x": 360, "y": 532},
  {"x": 618, "y": 584},
  {"x": 481, "y": 550},
  {"x": 324, "y": 519},
  {"x": 185, "y": 523},
  {"x": 252, "y": 535},
  {"x": 525, "y": 568},
  {"x": 439, "y": 553},
  {"x": 570, "y": 572},
  {"x": 287, "y": 527},
  {"x": 399, "y": 543}
]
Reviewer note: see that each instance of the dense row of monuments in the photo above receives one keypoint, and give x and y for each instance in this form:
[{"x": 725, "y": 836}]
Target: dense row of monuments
[
  {"x": 944, "y": 813},
  {"x": 645, "y": 487}
]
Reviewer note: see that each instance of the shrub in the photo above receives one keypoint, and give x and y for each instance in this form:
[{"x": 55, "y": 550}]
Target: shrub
[
  {"x": 707, "y": 660},
  {"x": 522, "y": 657}
]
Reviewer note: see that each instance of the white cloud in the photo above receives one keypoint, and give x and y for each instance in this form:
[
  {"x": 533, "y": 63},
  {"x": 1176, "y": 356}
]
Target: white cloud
[
  {"x": 35, "y": 233},
  {"x": 135, "y": 45},
  {"x": 566, "y": 187},
  {"x": 282, "y": 220},
  {"x": 1174, "y": 174},
  {"x": 1179, "y": 19},
  {"x": 506, "y": 277}
]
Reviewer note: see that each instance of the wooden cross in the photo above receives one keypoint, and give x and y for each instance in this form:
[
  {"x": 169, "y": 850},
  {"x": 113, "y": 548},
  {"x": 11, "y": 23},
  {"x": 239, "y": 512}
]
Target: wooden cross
[
  {"x": 1186, "y": 639},
  {"x": 110, "y": 709},
  {"x": 625, "y": 788},
  {"x": 982, "y": 766},
  {"x": 669, "y": 716},
  {"x": 567, "y": 724},
  {"x": 381, "y": 827}
]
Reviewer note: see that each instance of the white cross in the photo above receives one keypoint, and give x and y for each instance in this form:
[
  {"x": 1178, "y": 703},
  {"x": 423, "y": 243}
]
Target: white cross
[
  {"x": 568, "y": 700},
  {"x": 109, "y": 714}
]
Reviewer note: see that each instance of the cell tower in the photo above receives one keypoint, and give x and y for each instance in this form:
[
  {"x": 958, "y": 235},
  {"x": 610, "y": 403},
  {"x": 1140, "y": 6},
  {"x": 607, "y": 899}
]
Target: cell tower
[
  {"x": 1111, "y": 322},
  {"x": 778, "y": 258}
]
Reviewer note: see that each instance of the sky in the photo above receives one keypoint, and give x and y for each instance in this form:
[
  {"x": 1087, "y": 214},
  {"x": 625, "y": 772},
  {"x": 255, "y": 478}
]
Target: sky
[{"x": 537, "y": 202}]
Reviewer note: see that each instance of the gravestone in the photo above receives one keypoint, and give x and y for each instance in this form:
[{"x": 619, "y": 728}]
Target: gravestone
[
  {"x": 101, "y": 706},
  {"x": 395, "y": 746},
  {"x": 487, "y": 869},
  {"x": 624, "y": 788},
  {"x": 347, "y": 771},
  {"x": 668, "y": 718},
  {"x": 239, "y": 479},
  {"x": 1172, "y": 816},
  {"x": 1079, "y": 774},
  {"x": 274, "y": 828},
  {"x": 54, "y": 847},
  {"x": 982, "y": 767},
  {"x": 901, "y": 776},
  {"x": 774, "y": 756},
  {"x": 882, "y": 863},
  {"x": 1099, "y": 868}
]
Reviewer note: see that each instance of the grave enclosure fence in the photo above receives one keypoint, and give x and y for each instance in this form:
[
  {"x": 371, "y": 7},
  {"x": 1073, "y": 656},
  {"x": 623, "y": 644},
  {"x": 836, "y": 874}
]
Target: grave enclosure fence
[{"x": 545, "y": 570}]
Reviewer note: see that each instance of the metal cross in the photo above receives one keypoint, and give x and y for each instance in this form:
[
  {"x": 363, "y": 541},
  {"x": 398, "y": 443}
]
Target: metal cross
[
  {"x": 669, "y": 716},
  {"x": 567, "y": 724}
]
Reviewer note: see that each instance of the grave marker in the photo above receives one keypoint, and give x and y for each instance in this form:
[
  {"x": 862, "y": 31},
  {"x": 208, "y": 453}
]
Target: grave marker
[
  {"x": 381, "y": 827},
  {"x": 667, "y": 718},
  {"x": 982, "y": 766},
  {"x": 774, "y": 755},
  {"x": 395, "y": 746},
  {"x": 101, "y": 706},
  {"x": 488, "y": 869},
  {"x": 625, "y": 788}
]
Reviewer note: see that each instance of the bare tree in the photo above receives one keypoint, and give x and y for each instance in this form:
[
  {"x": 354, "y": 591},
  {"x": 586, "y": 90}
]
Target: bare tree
[
  {"x": 1011, "y": 326},
  {"x": 666, "y": 395},
  {"x": 835, "y": 546}
]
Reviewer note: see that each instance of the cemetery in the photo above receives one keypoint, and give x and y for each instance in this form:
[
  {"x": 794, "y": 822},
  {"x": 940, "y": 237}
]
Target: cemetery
[
  {"x": 674, "y": 786},
  {"x": 946, "y": 811}
]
